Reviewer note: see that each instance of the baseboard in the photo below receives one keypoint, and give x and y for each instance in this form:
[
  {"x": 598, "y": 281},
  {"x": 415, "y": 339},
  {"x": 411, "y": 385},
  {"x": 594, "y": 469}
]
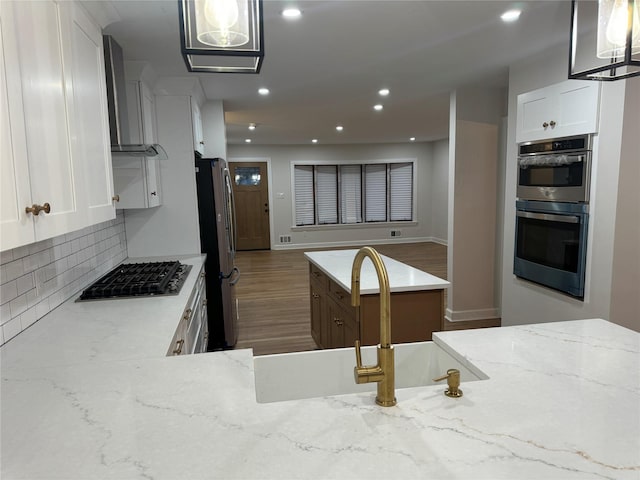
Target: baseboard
[
  {"x": 356, "y": 243},
  {"x": 470, "y": 315}
]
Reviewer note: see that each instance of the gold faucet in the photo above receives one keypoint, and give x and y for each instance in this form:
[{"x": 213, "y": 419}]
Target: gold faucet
[{"x": 384, "y": 372}]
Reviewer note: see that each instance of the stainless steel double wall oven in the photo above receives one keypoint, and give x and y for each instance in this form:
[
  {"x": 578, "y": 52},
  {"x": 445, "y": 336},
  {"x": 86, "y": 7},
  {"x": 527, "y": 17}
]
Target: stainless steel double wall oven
[{"x": 552, "y": 213}]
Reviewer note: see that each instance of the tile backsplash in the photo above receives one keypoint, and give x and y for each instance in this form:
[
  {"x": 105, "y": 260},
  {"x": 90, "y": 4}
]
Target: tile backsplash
[{"x": 36, "y": 278}]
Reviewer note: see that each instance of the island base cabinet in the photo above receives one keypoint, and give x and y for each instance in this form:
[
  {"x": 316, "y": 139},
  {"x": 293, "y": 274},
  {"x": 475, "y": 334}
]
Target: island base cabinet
[
  {"x": 414, "y": 316},
  {"x": 342, "y": 325}
]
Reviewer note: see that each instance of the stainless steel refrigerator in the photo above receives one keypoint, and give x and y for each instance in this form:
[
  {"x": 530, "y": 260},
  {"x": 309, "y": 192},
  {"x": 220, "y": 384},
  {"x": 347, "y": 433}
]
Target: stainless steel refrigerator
[{"x": 216, "y": 211}]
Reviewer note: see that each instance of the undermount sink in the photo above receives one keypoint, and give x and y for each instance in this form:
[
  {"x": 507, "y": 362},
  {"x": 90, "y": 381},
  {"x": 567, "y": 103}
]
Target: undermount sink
[{"x": 322, "y": 373}]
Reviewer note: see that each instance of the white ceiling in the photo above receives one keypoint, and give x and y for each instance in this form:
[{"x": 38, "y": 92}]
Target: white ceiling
[{"x": 326, "y": 67}]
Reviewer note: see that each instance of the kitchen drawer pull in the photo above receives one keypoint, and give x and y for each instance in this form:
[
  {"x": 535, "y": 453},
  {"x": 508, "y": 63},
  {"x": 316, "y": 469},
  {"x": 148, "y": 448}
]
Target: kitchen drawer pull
[
  {"x": 337, "y": 321},
  {"x": 545, "y": 125},
  {"x": 316, "y": 274},
  {"x": 315, "y": 295},
  {"x": 552, "y": 123},
  {"x": 339, "y": 295},
  {"x": 187, "y": 314},
  {"x": 178, "y": 349}
]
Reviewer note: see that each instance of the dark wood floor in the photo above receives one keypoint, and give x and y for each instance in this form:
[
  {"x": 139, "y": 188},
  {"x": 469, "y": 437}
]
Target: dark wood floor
[{"x": 273, "y": 294}]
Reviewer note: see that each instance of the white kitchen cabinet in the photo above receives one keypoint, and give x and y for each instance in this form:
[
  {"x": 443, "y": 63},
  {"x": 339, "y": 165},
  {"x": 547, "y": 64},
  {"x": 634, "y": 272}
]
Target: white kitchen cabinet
[
  {"x": 91, "y": 141},
  {"x": 54, "y": 150},
  {"x": 192, "y": 333},
  {"x": 560, "y": 110},
  {"x": 137, "y": 179},
  {"x": 198, "y": 136}
]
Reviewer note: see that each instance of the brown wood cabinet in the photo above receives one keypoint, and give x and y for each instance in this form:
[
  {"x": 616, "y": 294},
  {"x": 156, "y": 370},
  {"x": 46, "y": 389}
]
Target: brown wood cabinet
[{"x": 414, "y": 315}]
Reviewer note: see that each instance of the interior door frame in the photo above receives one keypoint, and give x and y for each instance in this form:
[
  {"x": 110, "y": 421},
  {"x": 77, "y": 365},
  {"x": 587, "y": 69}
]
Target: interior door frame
[{"x": 266, "y": 160}]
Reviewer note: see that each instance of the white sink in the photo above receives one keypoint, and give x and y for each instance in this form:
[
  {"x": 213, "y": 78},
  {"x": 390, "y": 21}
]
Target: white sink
[{"x": 322, "y": 373}]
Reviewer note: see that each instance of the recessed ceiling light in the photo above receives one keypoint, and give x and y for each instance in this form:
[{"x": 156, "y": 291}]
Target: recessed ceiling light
[
  {"x": 315, "y": 140},
  {"x": 291, "y": 13},
  {"x": 252, "y": 126},
  {"x": 412, "y": 139},
  {"x": 378, "y": 107},
  {"x": 263, "y": 91},
  {"x": 510, "y": 15},
  {"x": 247, "y": 140},
  {"x": 383, "y": 92},
  {"x": 339, "y": 128}
]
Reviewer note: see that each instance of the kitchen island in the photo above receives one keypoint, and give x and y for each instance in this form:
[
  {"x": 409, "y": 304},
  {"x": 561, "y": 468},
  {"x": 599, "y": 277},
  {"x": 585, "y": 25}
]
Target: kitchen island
[
  {"x": 562, "y": 401},
  {"x": 417, "y": 301}
]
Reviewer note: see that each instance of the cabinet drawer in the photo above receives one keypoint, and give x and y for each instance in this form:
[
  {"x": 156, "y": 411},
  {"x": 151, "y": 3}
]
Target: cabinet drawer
[
  {"x": 318, "y": 277},
  {"x": 340, "y": 295}
]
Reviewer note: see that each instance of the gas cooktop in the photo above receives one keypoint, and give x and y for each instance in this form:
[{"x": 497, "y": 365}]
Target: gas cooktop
[{"x": 139, "y": 280}]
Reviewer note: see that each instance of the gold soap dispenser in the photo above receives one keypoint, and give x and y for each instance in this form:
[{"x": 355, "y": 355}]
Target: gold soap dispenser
[{"x": 453, "y": 382}]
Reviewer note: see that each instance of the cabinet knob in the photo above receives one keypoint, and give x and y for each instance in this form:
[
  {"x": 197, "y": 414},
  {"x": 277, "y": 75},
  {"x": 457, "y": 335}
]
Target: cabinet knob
[
  {"x": 552, "y": 123},
  {"x": 201, "y": 142},
  {"x": 187, "y": 314},
  {"x": 36, "y": 209},
  {"x": 315, "y": 295},
  {"x": 337, "y": 321},
  {"x": 178, "y": 349},
  {"x": 545, "y": 125},
  {"x": 116, "y": 198},
  {"x": 154, "y": 193}
]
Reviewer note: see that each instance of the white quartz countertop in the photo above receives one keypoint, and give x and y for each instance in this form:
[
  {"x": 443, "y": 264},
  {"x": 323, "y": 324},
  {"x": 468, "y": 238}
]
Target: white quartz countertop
[
  {"x": 562, "y": 401},
  {"x": 100, "y": 330},
  {"x": 402, "y": 277}
]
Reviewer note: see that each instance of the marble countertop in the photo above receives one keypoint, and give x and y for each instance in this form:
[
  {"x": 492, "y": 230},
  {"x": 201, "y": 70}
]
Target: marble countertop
[
  {"x": 402, "y": 277},
  {"x": 562, "y": 401},
  {"x": 100, "y": 330}
]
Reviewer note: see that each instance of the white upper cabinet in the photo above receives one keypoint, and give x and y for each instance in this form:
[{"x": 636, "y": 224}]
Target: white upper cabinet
[
  {"x": 560, "y": 110},
  {"x": 16, "y": 228},
  {"x": 198, "y": 138},
  {"x": 92, "y": 142},
  {"x": 137, "y": 179},
  {"x": 54, "y": 139}
]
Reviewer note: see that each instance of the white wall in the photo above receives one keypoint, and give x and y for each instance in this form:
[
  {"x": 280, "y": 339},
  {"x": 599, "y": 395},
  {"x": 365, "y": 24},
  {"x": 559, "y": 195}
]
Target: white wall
[
  {"x": 474, "y": 119},
  {"x": 281, "y": 158},
  {"x": 524, "y": 302},
  {"x": 625, "y": 301},
  {"x": 440, "y": 191},
  {"x": 172, "y": 228}
]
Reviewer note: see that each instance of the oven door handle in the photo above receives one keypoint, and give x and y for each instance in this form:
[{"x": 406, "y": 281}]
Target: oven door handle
[{"x": 549, "y": 217}]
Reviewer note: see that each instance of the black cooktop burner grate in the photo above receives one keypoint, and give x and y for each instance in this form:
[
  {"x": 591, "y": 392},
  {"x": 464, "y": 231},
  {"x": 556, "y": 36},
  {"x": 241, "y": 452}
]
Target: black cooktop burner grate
[{"x": 139, "y": 279}]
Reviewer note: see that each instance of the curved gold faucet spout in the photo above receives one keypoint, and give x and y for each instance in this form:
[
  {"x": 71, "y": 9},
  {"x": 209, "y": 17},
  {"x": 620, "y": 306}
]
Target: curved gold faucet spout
[{"x": 384, "y": 372}]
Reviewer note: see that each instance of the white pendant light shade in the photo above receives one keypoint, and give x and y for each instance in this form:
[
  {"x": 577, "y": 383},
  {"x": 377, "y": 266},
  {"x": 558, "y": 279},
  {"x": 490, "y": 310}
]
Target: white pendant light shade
[
  {"x": 613, "y": 20},
  {"x": 222, "y": 36}
]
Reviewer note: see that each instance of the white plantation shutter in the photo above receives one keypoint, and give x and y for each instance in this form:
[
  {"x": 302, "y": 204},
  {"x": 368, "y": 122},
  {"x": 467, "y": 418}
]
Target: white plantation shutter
[
  {"x": 327, "y": 194},
  {"x": 375, "y": 180},
  {"x": 350, "y": 194},
  {"x": 303, "y": 178},
  {"x": 401, "y": 191}
]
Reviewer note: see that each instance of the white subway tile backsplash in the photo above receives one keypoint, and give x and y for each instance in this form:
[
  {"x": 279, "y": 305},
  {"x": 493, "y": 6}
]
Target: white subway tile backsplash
[
  {"x": 18, "y": 305},
  {"x": 28, "y": 318},
  {"x": 11, "y": 328},
  {"x": 6, "y": 256},
  {"x": 36, "y": 278},
  {"x": 8, "y": 291},
  {"x": 25, "y": 283}
]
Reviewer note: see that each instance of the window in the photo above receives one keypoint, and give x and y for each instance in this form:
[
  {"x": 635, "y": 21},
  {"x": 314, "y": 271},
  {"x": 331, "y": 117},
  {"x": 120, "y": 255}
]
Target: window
[{"x": 353, "y": 193}]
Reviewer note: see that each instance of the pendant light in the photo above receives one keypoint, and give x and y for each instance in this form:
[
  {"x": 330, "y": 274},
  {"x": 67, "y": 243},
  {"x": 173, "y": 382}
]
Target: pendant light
[
  {"x": 221, "y": 36},
  {"x": 605, "y": 39}
]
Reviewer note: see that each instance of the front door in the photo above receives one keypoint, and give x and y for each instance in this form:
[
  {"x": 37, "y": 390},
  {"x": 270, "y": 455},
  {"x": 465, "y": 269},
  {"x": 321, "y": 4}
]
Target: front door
[{"x": 251, "y": 191}]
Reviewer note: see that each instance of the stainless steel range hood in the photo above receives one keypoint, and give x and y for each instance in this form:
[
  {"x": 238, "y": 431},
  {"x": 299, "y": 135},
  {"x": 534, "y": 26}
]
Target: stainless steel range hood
[{"x": 118, "y": 118}]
